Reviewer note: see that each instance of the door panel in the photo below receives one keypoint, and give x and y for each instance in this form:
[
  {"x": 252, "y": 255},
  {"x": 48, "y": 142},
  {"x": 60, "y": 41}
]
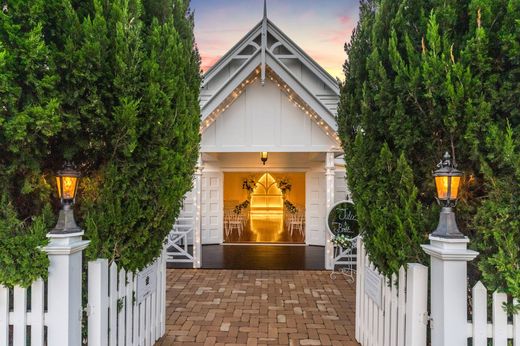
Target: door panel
[
  {"x": 211, "y": 208},
  {"x": 315, "y": 208}
]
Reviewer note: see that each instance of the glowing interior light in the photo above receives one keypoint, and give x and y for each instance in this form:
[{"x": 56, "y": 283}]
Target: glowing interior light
[
  {"x": 447, "y": 187},
  {"x": 266, "y": 201},
  {"x": 67, "y": 191}
]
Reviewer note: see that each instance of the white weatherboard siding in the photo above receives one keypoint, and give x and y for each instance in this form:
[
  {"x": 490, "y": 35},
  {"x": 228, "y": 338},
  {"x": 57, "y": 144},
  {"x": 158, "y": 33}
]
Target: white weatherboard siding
[{"x": 264, "y": 119}]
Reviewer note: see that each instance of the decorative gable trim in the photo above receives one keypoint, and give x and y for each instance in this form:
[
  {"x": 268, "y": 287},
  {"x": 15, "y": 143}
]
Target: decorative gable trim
[
  {"x": 298, "y": 53},
  {"x": 260, "y": 31},
  {"x": 233, "y": 53}
]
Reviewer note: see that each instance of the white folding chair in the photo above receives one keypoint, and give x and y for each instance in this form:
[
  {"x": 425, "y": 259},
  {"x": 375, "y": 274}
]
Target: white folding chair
[
  {"x": 235, "y": 222},
  {"x": 296, "y": 224}
]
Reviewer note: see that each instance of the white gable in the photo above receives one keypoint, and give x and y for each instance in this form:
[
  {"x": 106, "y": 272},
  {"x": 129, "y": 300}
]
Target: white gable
[
  {"x": 263, "y": 118},
  {"x": 248, "y": 97}
]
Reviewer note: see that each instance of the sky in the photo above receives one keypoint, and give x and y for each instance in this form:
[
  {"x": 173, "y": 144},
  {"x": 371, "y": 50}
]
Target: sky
[{"x": 319, "y": 27}]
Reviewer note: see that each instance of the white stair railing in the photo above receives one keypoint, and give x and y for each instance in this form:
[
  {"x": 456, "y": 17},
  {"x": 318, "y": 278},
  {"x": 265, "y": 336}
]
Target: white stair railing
[{"x": 179, "y": 241}]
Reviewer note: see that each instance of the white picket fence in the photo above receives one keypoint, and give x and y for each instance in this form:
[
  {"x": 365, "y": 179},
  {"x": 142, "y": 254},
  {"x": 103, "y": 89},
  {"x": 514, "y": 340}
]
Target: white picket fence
[
  {"x": 499, "y": 330},
  {"x": 121, "y": 309},
  {"x": 390, "y": 311},
  {"x": 15, "y": 315},
  {"x": 393, "y": 311},
  {"x": 126, "y": 308}
]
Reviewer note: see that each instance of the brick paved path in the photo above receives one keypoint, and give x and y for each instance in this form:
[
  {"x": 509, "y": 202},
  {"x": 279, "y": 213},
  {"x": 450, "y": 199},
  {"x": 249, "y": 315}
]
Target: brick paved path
[{"x": 248, "y": 307}]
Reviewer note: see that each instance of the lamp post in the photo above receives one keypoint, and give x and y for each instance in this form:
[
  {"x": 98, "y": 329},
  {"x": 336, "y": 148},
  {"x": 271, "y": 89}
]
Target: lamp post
[
  {"x": 447, "y": 181},
  {"x": 264, "y": 156},
  {"x": 65, "y": 251},
  {"x": 67, "y": 181},
  {"x": 448, "y": 263}
]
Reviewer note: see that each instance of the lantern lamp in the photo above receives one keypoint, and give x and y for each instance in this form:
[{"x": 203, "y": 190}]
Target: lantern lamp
[
  {"x": 447, "y": 182},
  {"x": 263, "y": 157},
  {"x": 67, "y": 181}
]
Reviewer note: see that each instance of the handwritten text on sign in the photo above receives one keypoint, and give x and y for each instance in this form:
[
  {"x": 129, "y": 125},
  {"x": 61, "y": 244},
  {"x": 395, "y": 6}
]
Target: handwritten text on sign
[{"x": 373, "y": 286}]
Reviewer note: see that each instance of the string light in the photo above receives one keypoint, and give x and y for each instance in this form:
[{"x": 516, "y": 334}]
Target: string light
[{"x": 292, "y": 96}]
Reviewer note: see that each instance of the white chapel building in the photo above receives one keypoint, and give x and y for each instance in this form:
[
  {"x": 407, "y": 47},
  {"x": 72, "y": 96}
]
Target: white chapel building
[{"x": 266, "y": 96}]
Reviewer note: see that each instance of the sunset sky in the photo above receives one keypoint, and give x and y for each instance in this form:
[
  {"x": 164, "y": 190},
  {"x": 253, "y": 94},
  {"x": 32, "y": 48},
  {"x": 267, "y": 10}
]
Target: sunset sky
[{"x": 320, "y": 27}]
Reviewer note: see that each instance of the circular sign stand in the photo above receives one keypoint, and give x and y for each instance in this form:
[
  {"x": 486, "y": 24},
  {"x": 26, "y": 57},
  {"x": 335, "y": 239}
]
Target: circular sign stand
[{"x": 344, "y": 228}]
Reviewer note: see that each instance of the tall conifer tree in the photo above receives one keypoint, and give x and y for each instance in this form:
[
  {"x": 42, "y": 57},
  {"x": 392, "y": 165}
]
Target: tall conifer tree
[
  {"x": 423, "y": 77},
  {"x": 113, "y": 87}
]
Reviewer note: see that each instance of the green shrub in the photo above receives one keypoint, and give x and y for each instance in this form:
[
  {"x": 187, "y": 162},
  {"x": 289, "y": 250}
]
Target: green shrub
[
  {"x": 113, "y": 87},
  {"x": 21, "y": 260},
  {"x": 29, "y": 120},
  {"x": 423, "y": 77}
]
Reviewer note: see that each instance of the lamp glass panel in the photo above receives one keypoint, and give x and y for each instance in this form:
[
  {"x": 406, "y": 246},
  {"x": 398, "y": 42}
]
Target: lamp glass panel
[
  {"x": 442, "y": 187},
  {"x": 58, "y": 185},
  {"x": 455, "y": 183},
  {"x": 68, "y": 190}
]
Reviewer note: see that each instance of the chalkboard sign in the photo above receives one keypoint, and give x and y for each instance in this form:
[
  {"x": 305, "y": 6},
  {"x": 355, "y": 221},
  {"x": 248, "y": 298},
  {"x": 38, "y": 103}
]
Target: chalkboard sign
[{"x": 342, "y": 220}]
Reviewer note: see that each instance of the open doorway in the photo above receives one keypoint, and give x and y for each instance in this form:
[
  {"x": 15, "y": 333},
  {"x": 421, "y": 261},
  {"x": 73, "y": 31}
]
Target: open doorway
[{"x": 264, "y": 207}]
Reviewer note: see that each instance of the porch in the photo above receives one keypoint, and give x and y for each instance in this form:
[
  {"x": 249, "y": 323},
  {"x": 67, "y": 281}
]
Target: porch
[{"x": 216, "y": 212}]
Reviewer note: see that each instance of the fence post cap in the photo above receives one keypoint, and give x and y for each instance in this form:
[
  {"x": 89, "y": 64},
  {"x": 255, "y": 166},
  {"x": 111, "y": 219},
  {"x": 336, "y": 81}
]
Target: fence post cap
[
  {"x": 65, "y": 245},
  {"x": 449, "y": 249}
]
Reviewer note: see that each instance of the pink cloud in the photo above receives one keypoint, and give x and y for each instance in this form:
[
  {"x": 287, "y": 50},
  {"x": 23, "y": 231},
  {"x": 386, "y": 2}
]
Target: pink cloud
[
  {"x": 345, "y": 19},
  {"x": 208, "y": 61},
  {"x": 337, "y": 36}
]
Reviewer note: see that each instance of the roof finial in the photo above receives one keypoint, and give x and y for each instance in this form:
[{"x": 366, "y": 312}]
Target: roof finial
[{"x": 264, "y": 43}]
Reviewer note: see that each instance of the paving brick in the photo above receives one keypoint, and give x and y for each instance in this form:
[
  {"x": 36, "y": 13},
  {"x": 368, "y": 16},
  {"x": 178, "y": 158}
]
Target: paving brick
[{"x": 248, "y": 307}]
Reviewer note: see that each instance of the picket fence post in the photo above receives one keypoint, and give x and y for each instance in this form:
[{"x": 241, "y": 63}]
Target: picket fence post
[
  {"x": 65, "y": 311},
  {"x": 98, "y": 302},
  {"x": 449, "y": 257},
  {"x": 479, "y": 294},
  {"x": 416, "y": 304},
  {"x": 359, "y": 278}
]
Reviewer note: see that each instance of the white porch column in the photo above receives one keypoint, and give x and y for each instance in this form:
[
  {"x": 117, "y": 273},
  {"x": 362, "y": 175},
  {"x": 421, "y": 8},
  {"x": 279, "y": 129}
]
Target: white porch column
[
  {"x": 330, "y": 176},
  {"x": 449, "y": 259},
  {"x": 197, "y": 234},
  {"x": 64, "y": 288}
]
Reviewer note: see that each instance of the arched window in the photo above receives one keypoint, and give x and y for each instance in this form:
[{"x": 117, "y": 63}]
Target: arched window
[{"x": 267, "y": 197}]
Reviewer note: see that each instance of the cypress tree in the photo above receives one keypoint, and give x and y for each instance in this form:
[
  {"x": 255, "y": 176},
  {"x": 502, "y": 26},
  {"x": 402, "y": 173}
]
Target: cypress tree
[
  {"x": 145, "y": 93},
  {"x": 423, "y": 77},
  {"x": 29, "y": 119},
  {"x": 113, "y": 87}
]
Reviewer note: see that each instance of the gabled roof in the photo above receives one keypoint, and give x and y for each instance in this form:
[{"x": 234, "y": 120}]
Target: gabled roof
[
  {"x": 265, "y": 51},
  {"x": 283, "y": 39}
]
